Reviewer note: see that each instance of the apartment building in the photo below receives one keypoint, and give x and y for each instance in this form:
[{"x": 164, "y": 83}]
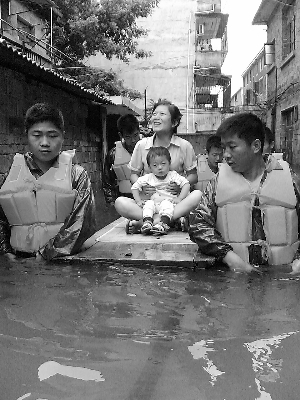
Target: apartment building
[
  {"x": 211, "y": 92},
  {"x": 282, "y": 56},
  {"x": 255, "y": 82},
  {"x": 188, "y": 42}
]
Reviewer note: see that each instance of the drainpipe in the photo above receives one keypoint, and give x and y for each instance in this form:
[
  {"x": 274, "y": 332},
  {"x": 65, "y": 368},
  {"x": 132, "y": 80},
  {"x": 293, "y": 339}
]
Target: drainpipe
[{"x": 188, "y": 72}]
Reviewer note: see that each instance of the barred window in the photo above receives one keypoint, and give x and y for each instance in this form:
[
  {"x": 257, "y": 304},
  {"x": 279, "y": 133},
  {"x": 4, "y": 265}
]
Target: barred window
[{"x": 288, "y": 29}]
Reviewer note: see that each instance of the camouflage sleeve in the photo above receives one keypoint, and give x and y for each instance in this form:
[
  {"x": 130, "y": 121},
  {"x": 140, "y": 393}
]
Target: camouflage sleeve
[
  {"x": 296, "y": 183},
  {"x": 5, "y": 246},
  {"x": 80, "y": 225},
  {"x": 109, "y": 179},
  {"x": 202, "y": 228}
]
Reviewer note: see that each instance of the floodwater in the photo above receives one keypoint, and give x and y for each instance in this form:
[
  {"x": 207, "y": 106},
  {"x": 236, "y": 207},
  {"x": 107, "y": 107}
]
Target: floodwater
[{"x": 113, "y": 332}]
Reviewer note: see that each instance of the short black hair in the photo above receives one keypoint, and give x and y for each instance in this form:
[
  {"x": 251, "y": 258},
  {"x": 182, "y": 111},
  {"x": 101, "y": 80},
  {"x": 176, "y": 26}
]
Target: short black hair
[
  {"x": 173, "y": 110},
  {"x": 128, "y": 123},
  {"x": 213, "y": 141},
  {"x": 246, "y": 126},
  {"x": 158, "y": 151},
  {"x": 269, "y": 135},
  {"x": 41, "y": 112}
]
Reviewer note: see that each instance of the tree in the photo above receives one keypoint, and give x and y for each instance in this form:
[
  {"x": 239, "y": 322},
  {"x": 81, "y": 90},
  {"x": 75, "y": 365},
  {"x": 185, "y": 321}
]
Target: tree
[
  {"x": 107, "y": 26},
  {"x": 87, "y": 27},
  {"x": 105, "y": 83}
]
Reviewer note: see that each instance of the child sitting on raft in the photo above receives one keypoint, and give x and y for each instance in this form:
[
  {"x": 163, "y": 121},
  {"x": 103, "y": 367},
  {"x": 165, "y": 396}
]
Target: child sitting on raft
[{"x": 162, "y": 201}]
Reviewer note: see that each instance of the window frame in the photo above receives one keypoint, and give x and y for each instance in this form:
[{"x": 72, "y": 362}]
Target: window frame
[{"x": 288, "y": 29}]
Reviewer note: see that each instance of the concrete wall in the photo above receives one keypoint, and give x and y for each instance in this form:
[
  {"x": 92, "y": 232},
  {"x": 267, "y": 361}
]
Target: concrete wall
[
  {"x": 198, "y": 141},
  {"x": 205, "y": 124},
  {"x": 168, "y": 73},
  {"x": 208, "y": 58}
]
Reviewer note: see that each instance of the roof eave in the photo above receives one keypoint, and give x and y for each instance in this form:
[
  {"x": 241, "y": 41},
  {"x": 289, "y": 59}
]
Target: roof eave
[
  {"x": 264, "y": 12},
  {"x": 48, "y": 3},
  {"x": 12, "y": 59}
]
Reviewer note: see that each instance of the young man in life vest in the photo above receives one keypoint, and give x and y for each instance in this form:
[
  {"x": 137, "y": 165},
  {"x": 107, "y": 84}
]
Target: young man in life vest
[
  {"x": 208, "y": 164},
  {"x": 248, "y": 213},
  {"x": 47, "y": 204},
  {"x": 116, "y": 174}
]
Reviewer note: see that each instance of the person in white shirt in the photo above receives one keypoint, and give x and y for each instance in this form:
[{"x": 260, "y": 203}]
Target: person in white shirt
[{"x": 162, "y": 201}]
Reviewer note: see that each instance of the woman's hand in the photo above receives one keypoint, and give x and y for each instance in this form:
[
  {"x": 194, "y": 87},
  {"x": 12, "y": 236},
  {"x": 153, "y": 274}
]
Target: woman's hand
[
  {"x": 236, "y": 264},
  {"x": 173, "y": 188},
  {"x": 176, "y": 200},
  {"x": 39, "y": 257},
  {"x": 149, "y": 190},
  {"x": 295, "y": 267}
]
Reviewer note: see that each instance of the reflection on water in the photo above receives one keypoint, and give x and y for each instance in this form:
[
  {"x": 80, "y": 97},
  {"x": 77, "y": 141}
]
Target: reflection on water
[{"x": 116, "y": 332}]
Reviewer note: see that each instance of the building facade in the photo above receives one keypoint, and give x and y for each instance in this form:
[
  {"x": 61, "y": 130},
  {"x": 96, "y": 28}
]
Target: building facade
[
  {"x": 188, "y": 42},
  {"x": 255, "y": 82},
  {"x": 27, "y": 26},
  {"x": 237, "y": 99},
  {"x": 211, "y": 91},
  {"x": 282, "y": 54},
  {"x": 252, "y": 96}
]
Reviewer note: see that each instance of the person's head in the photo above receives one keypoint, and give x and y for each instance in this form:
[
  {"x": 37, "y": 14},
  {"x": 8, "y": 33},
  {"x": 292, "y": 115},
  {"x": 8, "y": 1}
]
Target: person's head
[
  {"x": 159, "y": 161},
  {"x": 129, "y": 130},
  {"x": 214, "y": 152},
  {"x": 242, "y": 137},
  {"x": 269, "y": 141},
  {"x": 165, "y": 117},
  {"x": 44, "y": 126}
]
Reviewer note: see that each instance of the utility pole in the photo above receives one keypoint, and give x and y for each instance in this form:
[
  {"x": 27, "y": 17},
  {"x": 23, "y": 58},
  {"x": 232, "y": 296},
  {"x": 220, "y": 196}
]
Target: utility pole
[{"x": 51, "y": 35}]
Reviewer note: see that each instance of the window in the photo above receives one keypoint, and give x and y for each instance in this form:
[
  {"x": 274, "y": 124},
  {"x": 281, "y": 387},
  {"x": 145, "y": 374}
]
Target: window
[
  {"x": 256, "y": 87},
  {"x": 4, "y": 13},
  {"x": 26, "y": 32},
  {"x": 205, "y": 7},
  {"x": 288, "y": 29},
  {"x": 262, "y": 85},
  {"x": 290, "y": 116},
  {"x": 200, "y": 30},
  {"x": 248, "y": 96}
]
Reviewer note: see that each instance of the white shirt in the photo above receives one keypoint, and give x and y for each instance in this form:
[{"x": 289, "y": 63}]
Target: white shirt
[{"x": 160, "y": 184}]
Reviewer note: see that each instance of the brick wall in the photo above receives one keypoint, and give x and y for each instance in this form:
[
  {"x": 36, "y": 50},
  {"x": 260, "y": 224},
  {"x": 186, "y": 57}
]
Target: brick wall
[{"x": 83, "y": 126}]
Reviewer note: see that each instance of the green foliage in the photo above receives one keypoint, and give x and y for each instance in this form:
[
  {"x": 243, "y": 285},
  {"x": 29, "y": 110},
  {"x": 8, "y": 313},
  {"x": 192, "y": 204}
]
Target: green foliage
[
  {"x": 87, "y": 27},
  {"x": 107, "y": 26},
  {"x": 104, "y": 83}
]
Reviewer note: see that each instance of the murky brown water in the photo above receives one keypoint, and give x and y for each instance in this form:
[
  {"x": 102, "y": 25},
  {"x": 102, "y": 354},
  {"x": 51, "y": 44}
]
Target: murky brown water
[{"x": 125, "y": 333}]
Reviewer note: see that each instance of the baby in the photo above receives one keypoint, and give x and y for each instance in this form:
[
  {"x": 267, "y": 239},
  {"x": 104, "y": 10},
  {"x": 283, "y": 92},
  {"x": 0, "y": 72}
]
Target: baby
[{"x": 162, "y": 201}]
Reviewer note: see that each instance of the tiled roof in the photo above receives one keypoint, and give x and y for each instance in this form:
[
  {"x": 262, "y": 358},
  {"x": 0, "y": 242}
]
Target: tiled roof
[{"x": 14, "y": 59}]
